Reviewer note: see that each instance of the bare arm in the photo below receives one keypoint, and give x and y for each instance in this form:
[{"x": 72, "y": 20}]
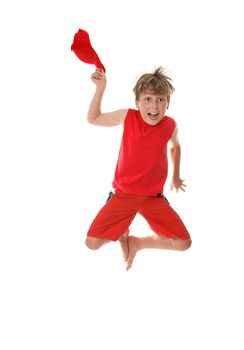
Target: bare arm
[
  {"x": 175, "y": 153},
  {"x": 95, "y": 116}
]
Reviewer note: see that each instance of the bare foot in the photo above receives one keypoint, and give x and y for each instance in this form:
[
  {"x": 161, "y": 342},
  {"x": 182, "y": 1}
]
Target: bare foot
[
  {"x": 125, "y": 245},
  {"x": 132, "y": 251}
]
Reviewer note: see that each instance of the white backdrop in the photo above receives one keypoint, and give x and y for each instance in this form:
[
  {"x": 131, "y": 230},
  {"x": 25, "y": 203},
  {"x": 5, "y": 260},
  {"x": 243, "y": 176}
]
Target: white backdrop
[{"x": 56, "y": 171}]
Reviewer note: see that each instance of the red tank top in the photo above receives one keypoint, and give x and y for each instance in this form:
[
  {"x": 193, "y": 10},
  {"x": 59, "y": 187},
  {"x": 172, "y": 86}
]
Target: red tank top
[{"x": 142, "y": 166}]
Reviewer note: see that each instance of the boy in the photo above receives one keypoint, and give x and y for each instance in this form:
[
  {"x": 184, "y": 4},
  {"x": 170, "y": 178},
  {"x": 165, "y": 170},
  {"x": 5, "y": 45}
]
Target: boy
[{"x": 141, "y": 170}]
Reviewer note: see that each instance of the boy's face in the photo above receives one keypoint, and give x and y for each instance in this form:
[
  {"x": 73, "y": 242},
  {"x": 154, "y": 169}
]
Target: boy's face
[{"x": 152, "y": 107}]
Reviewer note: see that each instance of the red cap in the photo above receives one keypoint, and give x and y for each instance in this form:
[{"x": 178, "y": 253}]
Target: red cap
[{"x": 84, "y": 51}]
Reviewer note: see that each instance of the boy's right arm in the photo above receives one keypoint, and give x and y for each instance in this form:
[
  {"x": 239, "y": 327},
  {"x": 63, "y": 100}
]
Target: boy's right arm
[{"x": 95, "y": 116}]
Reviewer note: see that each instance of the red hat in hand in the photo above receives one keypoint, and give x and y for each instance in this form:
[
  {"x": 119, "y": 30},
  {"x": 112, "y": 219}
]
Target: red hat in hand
[{"x": 84, "y": 51}]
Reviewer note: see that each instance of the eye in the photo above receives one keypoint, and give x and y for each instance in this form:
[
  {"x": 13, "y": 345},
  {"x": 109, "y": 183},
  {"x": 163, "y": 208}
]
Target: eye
[
  {"x": 162, "y": 99},
  {"x": 147, "y": 99}
]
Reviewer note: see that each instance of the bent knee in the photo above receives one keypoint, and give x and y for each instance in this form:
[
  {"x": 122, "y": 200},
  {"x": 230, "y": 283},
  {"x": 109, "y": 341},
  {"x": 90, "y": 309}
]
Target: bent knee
[
  {"x": 93, "y": 243},
  {"x": 181, "y": 244}
]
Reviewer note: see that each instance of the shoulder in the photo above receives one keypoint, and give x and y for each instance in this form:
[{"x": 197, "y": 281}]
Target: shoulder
[
  {"x": 170, "y": 121},
  {"x": 169, "y": 124},
  {"x": 169, "y": 127},
  {"x": 131, "y": 114},
  {"x": 132, "y": 111}
]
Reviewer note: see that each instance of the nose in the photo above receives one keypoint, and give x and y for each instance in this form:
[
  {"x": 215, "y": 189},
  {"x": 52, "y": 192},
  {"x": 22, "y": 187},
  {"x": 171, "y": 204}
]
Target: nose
[{"x": 154, "y": 104}]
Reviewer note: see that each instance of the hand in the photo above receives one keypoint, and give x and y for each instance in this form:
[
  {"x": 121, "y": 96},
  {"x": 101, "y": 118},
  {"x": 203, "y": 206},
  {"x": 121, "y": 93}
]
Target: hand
[
  {"x": 177, "y": 183},
  {"x": 99, "y": 78}
]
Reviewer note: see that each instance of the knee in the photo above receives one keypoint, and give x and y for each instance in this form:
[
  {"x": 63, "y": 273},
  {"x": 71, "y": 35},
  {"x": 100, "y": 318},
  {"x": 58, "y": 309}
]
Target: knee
[
  {"x": 182, "y": 245},
  {"x": 92, "y": 243}
]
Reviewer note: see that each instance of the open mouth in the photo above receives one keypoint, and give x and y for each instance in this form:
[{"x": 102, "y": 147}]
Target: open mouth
[{"x": 153, "y": 116}]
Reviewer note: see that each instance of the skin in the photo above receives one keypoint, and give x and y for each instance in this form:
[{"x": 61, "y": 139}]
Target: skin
[{"x": 153, "y": 109}]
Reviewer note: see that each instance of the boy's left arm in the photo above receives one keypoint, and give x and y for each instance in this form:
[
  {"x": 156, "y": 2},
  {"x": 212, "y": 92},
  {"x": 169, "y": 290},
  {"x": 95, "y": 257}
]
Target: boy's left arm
[{"x": 175, "y": 153}]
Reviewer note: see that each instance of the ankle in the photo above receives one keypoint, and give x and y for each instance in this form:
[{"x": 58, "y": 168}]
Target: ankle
[{"x": 137, "y": 242}]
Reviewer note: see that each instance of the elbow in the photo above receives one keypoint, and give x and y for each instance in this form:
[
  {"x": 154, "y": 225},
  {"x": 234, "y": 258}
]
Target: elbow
[
  {"x": 92, "y": 119},
  {"x": 89, "y": 121},
  {"x": 175, "y": 148}
]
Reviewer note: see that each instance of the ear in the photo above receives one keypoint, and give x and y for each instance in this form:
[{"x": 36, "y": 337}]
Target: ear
[{"x": 137, "y": 104}]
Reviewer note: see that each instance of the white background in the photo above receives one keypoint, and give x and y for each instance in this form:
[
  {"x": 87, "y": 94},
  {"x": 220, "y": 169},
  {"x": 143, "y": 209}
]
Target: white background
[{"x": 56, "y": 171}]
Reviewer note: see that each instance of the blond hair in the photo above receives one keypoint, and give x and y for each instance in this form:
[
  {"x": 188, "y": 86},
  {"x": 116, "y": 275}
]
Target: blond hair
[{"x": 156, "y": 82}]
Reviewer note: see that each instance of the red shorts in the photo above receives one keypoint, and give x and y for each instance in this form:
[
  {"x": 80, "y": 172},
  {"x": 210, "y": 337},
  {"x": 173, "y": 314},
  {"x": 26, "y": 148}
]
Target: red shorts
[{"x": 121, "y": 208}]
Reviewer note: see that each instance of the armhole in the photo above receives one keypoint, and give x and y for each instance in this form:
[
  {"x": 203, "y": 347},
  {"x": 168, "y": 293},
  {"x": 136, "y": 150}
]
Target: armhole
[
  {"x": 128, "y": 112},
  {"x": 174, "y": 125}
]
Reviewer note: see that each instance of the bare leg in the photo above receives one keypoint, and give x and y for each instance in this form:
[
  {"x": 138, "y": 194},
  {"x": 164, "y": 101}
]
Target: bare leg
[
  {"x": 95, "y": 243},
  {"x": 123, "y": 240},
  {"x": 157, "y": 242}
]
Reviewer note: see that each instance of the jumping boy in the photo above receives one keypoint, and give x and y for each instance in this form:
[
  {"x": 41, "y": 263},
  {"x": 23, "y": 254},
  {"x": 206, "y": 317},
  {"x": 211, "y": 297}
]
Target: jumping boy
[{"x": 141, "y": 169}]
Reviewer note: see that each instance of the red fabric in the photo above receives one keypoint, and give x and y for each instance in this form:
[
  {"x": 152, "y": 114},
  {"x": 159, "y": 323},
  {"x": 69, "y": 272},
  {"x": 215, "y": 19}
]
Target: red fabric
[
  {"x": 84, "y": 51},
  {"x": 118, "y": 213},
  {"x": 142, "y": 166}
]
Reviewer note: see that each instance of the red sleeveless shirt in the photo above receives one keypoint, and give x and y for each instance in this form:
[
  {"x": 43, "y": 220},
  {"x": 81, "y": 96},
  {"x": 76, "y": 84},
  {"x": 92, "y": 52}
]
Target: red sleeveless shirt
[{"x": 142, "y": 166}]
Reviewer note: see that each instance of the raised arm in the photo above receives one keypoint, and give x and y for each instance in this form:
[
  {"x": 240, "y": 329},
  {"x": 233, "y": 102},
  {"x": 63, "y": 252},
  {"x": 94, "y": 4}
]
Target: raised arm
[
  {"x": 95, "y": 116},
  {"x": 175, "y": 153}
]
